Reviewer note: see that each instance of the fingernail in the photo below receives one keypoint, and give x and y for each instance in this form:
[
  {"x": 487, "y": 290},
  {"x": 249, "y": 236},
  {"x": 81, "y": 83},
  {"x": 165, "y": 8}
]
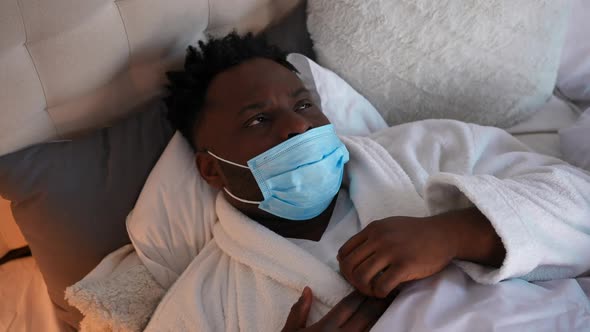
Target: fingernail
[{"x": 303, "y": 293}]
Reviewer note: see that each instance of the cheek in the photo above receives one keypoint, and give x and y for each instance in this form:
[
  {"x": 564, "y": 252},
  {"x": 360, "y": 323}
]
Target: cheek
[
  {"x": 319, "y": 119},
  {"x": 241, "y": 182},
  {"x": 246, "y": 148}
]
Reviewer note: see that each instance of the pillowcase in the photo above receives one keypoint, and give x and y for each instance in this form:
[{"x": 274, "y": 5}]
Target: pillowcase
[
  {"x": 290, "y": 34},
  {"x": 573, "y": 78},
  {"x": 350, "y": 113},
  {"x": 175, "y": 213},
  {"x": 70, "y": 198},
  {"x": 574, "y": 142},
  {"x": 488, "y": 62}
]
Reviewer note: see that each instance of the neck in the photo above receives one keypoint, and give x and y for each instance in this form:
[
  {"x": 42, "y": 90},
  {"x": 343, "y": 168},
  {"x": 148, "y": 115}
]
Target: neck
[{"x": 311, "y": 229}]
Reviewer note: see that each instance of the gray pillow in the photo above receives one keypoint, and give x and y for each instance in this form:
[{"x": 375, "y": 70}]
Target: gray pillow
[
  {"x": 70, "y": 198},
  {"x": 290, "y": 34}
]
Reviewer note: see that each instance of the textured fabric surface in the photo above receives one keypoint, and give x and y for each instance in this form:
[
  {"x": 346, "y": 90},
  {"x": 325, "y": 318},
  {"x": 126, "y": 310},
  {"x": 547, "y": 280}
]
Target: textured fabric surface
[
  {"x": 71, "y": 198},
  {"x": 573, "y": 78},
  {"x": 488, "y": 62},
  {"x": 575, "y": 142},
  {"x": 120, "y": 294},
  {"x": 67, "y": 65},
  {"x": 290, "y": 34},
  {"x": 540, "y": 131}
]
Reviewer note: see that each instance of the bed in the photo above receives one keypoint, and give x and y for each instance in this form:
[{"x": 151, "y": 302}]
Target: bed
[
  {"x": 68, "y": 69},
  {"x": 26, "y": 305}
]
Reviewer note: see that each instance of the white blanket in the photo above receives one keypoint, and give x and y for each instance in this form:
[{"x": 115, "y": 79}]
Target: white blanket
[
  {"x": 451, "y": 301},
  {"x": 247, "y": 277}
]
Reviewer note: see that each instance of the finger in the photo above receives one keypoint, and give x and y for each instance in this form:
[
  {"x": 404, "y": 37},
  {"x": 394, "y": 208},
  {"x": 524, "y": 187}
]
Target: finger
[
  {"x": 343, "y": 310},
  {"x": 352, "y": 243},
  {"x": 355, "y": 258},
  {"x": 367, "y": 315},
  {"x": 297, "y": 318},
  {"x": 387, "y": 281},
  {"x": 387, "y": 302},
  {"x": 364, "y": 273}
]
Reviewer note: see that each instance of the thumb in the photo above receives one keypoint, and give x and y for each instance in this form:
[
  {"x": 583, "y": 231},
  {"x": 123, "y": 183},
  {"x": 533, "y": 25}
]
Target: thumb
[{"x": 299, "y": 311}]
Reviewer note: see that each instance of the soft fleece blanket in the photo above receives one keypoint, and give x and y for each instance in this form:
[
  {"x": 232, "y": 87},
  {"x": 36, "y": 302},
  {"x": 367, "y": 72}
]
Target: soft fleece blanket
[{"x": 247, "y": 277}]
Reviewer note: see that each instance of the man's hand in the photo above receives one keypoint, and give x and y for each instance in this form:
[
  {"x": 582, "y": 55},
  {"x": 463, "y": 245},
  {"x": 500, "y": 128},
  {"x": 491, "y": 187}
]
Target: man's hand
[
  {"x": 353, "y": 313},
  {"x": 394, "y": 250}
]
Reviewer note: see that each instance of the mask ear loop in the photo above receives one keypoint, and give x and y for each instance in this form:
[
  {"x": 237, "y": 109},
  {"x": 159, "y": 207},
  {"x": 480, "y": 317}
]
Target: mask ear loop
[
  {"x": 227, "y": 161},
  {"x": 241, "y": 199},
  {"x": 225, "y": 189}
]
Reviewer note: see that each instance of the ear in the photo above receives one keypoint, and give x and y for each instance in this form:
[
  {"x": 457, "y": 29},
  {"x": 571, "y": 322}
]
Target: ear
[{"x": 209, "y": 170}]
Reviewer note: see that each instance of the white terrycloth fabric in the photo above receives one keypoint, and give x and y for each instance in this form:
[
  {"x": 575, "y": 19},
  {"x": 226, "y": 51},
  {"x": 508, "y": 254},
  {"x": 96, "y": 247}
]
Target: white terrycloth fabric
[
  {"x": 489, "y": 62},
  {"x": 344, "y": 224},
  {"x": 119, "y": 295},
  {"x": 247, "y": 277}
]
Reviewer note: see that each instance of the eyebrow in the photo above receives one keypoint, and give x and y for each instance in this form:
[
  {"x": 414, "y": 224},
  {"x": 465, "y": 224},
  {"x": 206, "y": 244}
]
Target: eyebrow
[
  {"x": 260, "y": 105},
  {"x": 264, "y": 104},
  {"x": 298, "y": 92}
]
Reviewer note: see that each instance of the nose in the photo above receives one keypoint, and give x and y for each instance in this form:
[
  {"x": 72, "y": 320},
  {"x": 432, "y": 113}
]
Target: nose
[
  {"x": 294, "y": 134},
  {"x": 293, "y": 125}
]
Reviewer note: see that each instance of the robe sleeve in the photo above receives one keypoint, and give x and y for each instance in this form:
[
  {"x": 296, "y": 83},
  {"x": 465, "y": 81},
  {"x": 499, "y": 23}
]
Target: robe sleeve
[{"x": 538, "y": 205}]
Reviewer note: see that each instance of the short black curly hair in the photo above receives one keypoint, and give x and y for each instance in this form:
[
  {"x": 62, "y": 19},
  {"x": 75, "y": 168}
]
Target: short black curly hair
[{"x": 187, "y": 88}]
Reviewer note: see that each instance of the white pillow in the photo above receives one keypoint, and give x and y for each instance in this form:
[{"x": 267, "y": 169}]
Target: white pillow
[
  {"x": 490, "y": 62},
  {"x": 574, "y": 142},
  {"x": 350, "y": 113},
  {"x": 174, "y": 215},
  {"x": 574, "y": 72}
]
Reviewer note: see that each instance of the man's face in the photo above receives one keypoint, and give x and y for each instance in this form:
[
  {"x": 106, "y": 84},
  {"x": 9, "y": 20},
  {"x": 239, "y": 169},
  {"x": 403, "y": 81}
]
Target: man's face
[{"x": 249, "y": 109}]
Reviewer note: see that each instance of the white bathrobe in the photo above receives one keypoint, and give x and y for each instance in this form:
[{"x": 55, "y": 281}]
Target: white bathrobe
[{"x": 247, "y": 277}]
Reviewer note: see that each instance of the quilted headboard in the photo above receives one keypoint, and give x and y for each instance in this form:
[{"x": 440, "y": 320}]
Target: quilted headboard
[{"x": 67, "y": 66}]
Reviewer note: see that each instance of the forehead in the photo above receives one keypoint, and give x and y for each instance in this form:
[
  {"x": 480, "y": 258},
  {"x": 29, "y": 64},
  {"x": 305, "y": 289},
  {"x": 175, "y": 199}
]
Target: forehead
[{"x": 251, "y": 80}]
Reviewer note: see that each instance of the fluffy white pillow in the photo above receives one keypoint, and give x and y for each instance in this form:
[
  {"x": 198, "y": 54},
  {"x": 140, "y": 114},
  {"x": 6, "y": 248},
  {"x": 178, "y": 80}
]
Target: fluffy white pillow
[
  {"x": 574, "y": 72},
  {"x": 174, "y": 215},
  {"x": 489, "y": 62}
]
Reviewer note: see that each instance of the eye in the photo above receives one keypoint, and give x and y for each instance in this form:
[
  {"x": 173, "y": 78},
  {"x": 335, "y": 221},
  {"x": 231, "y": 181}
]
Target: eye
[
  {"x": 256, "y": 120},
  {"x": 303, "y": 105}
]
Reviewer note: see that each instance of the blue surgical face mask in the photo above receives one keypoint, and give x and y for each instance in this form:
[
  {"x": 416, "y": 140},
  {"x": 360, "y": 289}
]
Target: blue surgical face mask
[{"x": 299, "y": 177}]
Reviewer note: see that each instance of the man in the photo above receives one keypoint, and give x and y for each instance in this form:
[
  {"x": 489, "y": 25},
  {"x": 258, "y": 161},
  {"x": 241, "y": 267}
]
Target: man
[{"x": 260, "y": 139}]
